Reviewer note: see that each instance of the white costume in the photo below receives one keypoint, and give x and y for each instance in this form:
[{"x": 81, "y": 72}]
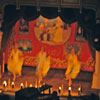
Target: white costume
[{"x": 43, "y": 65}]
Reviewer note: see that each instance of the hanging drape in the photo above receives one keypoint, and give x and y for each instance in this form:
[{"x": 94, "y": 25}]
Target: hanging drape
[
  {"x": 68, "y": 15},
  {"x": 88, "y": 21}
]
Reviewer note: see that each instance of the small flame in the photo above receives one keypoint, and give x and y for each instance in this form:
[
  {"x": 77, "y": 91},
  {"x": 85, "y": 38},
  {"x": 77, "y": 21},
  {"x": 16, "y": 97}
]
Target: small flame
[
  {"x": 59, "y": 87},
  {"x": 30, "y": 85},
  {"x": 5, "y": 83},
  {"x": 69, "y": 88}
]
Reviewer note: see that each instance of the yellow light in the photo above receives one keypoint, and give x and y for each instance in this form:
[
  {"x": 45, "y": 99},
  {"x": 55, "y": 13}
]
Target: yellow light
[
  {"x": 59, "y": 87},
  {"x": 0, "y": 91},
  {"x": 79, "y": 89},
  {"x": 4, "y": 83},
  {"x": 13, "y": 84},
  {"x": 69, "y": 88},
  {"x": 30, "y": 85},
  {"x": 22, "y": 85},
  {"x": 59, "y": 90}
]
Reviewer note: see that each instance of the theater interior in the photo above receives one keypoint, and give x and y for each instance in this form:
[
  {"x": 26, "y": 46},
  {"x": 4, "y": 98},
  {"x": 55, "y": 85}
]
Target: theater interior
[{"x": 53, "y": 28}]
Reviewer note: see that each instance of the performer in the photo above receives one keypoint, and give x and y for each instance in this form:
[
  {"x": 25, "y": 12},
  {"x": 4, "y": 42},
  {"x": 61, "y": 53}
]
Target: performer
[
  {"x": 73, "y": 67},
  {"x": 15, "y": 62},
  {"x": 43, "y": 65}
]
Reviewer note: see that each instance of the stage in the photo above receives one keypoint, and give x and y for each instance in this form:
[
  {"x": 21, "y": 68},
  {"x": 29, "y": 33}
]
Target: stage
[{"x": 55, "y": 77}]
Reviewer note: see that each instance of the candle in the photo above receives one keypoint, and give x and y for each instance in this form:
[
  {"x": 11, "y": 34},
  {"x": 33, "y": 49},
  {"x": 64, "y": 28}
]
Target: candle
[
  {"x": 0, "y": 91},
  {"x": 59, "y": 90},
  {"x": 36, "y": 86},
  {"x": 12, "y": 84},
  {"x": 79, "y": 90},
  {"x": 69, "y": 89},
  {"x": 30, "y": 85},
  {"x": 4, "y": 83},
  {"x": 22, "y": 85}
]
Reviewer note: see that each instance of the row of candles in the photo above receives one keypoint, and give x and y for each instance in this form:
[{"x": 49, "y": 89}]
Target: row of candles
[
  {"x": 60, "y": 89},
  {"x": 70, "y": 89},
  {"x": 12, "y": 84}
]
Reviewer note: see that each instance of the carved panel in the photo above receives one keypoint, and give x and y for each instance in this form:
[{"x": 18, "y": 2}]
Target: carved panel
[
  {"x": 71, "y": 1},
  {"x": 92, "y": 4},
  {"x": 49, "y": 2},
  {"x": 28, "y": 2}
]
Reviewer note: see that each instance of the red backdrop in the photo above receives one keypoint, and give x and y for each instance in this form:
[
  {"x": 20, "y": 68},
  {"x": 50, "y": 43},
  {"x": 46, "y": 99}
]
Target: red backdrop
[{"x": 55, "y": 51}]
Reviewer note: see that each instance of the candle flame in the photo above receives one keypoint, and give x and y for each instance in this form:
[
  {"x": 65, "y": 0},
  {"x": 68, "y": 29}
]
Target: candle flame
[
  {"x": 59, "y": 87},
  {"x": 69, "y": 88},
  {"x": 5, "y": 83}
]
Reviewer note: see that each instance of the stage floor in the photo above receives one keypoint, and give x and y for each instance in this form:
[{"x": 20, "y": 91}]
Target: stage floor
[{"x": 55, "y": 77}]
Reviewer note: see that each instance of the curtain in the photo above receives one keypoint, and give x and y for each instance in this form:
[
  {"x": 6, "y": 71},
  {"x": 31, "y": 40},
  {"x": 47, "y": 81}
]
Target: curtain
[
  {"x": 87, "y": 22},
  {"x": 68, "y": 15}
]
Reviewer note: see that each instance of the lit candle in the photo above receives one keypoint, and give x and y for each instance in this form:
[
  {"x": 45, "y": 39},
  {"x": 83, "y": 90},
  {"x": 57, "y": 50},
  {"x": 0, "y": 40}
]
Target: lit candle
[
  {"x": 79, "y": 91},
  {"x": 69, "y": 89},
  {"x": 12, "y": 84},
  {"x": 22, "y": 85},
  {"x": 4, "y": 84},
  {"x": 30, "y": 85},
  {"x": 59, "y": 89},
  {"x": 0, "y": 91},
  {"x": 36, "y": 86}
]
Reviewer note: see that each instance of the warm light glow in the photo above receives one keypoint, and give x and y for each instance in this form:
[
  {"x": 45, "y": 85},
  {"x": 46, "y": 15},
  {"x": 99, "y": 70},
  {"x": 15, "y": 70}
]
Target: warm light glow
[
  {"x": 59, "y": 87},
  {"x": 79, "y": 30},
  {"x": 12, "y": 84},
  {"x": 0, "y": 91},
  {"x": 96, "y": 40},
  {"x": 4, "y": 83},
  {"x": 35, "y": 86},
  {"x": 69, "y": 88},
  {"x": 79, "y": 89},
  {"x": 30, "y": 85},
  {"x": 21, "y": 85}
]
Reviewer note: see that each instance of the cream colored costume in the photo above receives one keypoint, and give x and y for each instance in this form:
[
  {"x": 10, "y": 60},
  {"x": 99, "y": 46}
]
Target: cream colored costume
[
  {"x": 43, "y": 66},
  {"x": 73, "y": 67},
  {"x": 15, "y": 62},
  {"x": 46, "y": 67}
]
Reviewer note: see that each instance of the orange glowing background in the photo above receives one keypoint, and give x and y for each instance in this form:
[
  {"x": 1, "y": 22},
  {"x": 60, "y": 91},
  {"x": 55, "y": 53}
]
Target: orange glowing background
[{"x": 55, "y": 36}]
